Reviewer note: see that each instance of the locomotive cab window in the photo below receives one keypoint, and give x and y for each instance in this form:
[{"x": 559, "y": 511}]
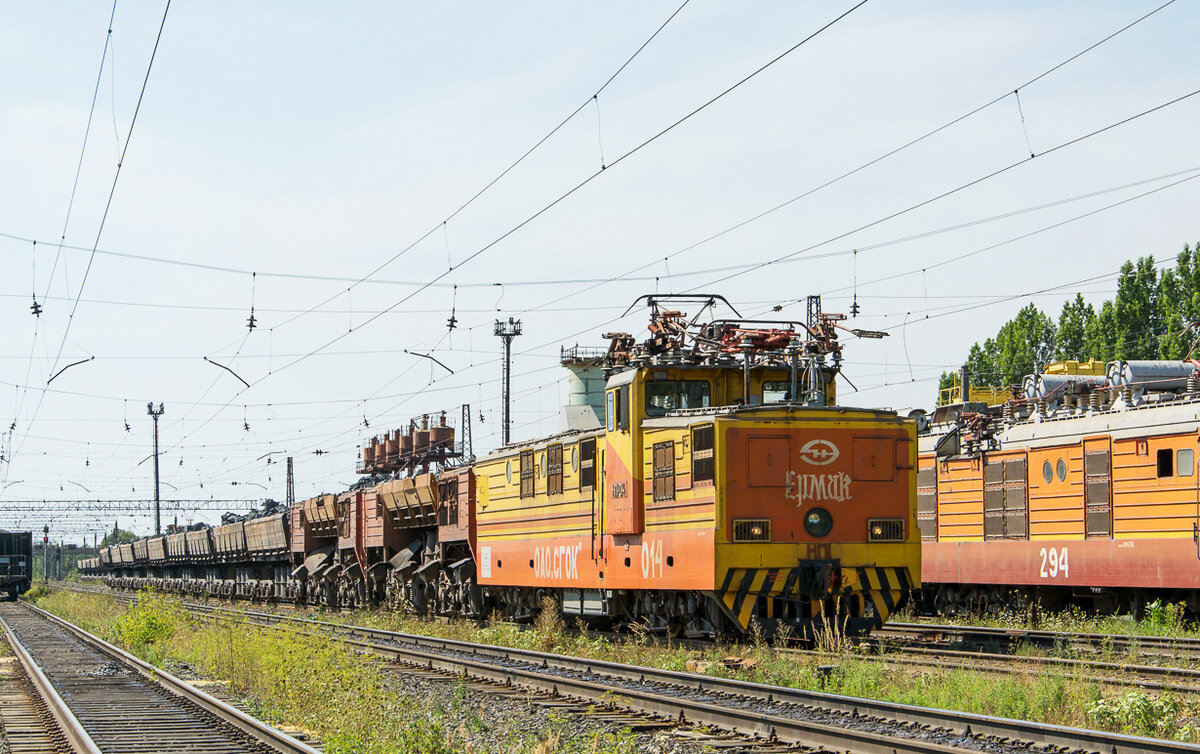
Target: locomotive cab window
[
  {"x": 1185, "y": 462},
  {"x": 1166, "y": 459},
  {"x": 776, "y": 392},
  {"x": 616, "y": 409},
  {"x": 668, "y": 395}
]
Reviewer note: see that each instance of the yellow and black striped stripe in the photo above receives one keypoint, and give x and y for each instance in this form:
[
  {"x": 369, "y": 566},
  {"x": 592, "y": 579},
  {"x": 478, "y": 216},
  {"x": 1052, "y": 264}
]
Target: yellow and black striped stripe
[{"x": 885, "y": 589}]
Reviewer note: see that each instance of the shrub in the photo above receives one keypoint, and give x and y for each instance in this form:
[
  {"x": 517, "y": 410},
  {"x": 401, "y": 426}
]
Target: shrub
[
  {"x": 1135, "y": 712},
  {"x": 149, "y": 624}
]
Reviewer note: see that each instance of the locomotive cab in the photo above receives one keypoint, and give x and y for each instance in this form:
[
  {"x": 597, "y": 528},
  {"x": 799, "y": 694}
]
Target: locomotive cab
[{"x": 779, "y": 511}]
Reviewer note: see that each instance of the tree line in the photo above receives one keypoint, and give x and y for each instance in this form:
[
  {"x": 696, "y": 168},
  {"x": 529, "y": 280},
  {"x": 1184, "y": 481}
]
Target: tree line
[{"x": 1147, "y": 319}]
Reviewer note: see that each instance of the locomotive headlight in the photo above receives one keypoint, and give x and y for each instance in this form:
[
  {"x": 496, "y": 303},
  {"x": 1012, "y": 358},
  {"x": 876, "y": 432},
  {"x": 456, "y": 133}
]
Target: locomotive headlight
[
  {"x": 756, "y": 530},
  {"x": 876, "y": 531},
  {"x": 818, "y": 522}
]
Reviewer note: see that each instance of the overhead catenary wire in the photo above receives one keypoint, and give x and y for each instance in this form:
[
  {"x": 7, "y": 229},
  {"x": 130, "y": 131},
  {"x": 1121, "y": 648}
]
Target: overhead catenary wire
[
  {"x": 427, "y": 284},
  {"x": 408, "y": 396},
  {"x": 570, "y": 192},
  {"x": 70, "y": 205},
  {"x": 562, "y": 197},
  {"x": 488, "y": 186},
  {"x": 960, "y": 188},
  {"x": 107, "y": 207},
  {"x": 864, "y": 166}
]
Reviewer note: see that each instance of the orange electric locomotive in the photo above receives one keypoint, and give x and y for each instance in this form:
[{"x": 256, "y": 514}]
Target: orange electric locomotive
[
  {"x": 1083, "y": 487},
  {"x": 703, "y": 481}
]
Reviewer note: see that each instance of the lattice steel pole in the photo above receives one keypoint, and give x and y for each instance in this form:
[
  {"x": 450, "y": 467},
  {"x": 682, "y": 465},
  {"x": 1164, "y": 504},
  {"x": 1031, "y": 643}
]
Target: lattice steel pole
[
  {"x": 507, "y": 330},
  {"x": 157, "y": 502},
  {"x": 291, "y": 484}
]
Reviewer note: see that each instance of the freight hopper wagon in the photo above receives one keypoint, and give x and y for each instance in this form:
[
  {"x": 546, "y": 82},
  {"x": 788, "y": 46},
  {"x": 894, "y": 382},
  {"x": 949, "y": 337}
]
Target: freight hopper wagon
[
  {"x": 400, "y": 535},
  {"x": 16, "y": 562},
  {"x": 247, "y": 559},
  {"x": 1083, "y": 488}
]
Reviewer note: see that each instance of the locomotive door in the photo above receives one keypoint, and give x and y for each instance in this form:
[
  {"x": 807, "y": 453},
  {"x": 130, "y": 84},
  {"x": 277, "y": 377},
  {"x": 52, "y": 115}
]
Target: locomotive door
[
  {"x": 624, "y": 506},
  {"x": 1097, "y": 488}
]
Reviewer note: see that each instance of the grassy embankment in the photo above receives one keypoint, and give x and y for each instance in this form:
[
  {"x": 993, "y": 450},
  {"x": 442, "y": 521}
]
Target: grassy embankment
[
  {"x": 1060, "y": 697},
  {"x": 310, "y": 682}
]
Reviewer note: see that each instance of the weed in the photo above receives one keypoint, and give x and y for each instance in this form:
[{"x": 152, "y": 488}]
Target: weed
[
  {"x": 549, "y": 625},
  {"x": 1166, "y": 617},
  {"x": 148, "y": 624},
  {"x": 1137, "y": 713}
]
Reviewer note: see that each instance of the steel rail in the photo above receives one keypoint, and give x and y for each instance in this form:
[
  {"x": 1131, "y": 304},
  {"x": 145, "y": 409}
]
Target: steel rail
[
  {"x": 1187, "y": 645},
  {"x": 68, "y": 724},
  {"x": 475, "y": 659},
  {"x": 252, "y": 727},
  {"x": 1009, "y": 664}
]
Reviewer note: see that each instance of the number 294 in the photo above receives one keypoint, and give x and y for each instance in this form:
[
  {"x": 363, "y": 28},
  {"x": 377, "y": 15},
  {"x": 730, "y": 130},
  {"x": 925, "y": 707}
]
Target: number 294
[{"x": 1055, "y": 563}]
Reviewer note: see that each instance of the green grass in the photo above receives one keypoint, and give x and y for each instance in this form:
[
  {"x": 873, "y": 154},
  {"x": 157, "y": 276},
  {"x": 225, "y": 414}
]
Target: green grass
[
  {"x": 262, "y": 667},
  {"x": 308, "y": 681},
  {"x": 1057, "y": 696}
]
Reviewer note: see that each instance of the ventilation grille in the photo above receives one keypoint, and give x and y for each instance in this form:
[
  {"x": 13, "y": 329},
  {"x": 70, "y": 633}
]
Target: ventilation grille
[
  {"x": 752, "y": 530},
  {"x": 885, "y": 529}
]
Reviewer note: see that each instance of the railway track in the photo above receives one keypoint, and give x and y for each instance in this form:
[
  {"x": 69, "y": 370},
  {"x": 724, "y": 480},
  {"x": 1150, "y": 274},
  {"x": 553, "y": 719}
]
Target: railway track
[
  {"x": 1157, "y": 678},
  {"x": 766, "y": 713},
  {"x": 27, "y": 725},
  {"x": 102, "y": 699},
  {"x": 928, "y": 650},
  {"x": 1166, "y": 647}
]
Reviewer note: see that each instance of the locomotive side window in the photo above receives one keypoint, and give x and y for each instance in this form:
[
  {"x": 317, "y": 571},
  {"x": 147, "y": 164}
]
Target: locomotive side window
[
  {"x": 1062, "y": 470},
  {"x": 664, "y": 471},
  {"x": 527, "y": 472},
  {"x": 616, "y": 405},
  {"x": 667, "y": 395},
  {"x": 1047, "y": 472},
  {"x": 1185, "y": 465},
  {"x": 776, "y": 392},
  {"x": 702, "y": 453},
  {"x": 554, "y": 468},
  {"x": 1165, "y": 459},
  {"x": 587, "y": 464}
]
